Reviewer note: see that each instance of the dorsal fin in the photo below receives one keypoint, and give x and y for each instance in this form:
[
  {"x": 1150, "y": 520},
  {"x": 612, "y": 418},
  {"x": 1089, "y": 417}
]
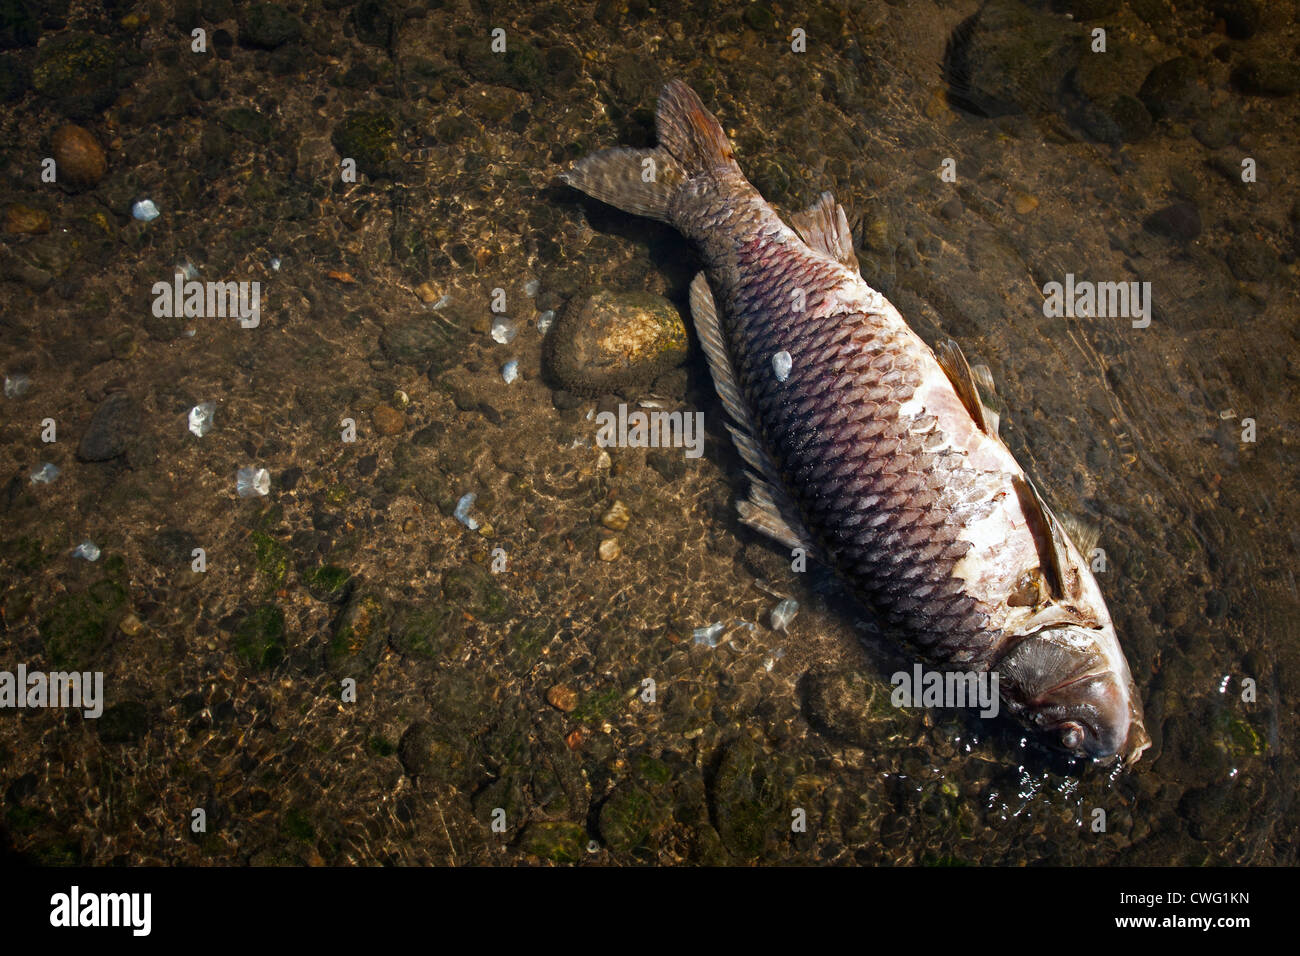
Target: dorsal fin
[
  {"x": 825, "y": 229},
  {"x": 768, "y": 509},
  {"x": 1054, "y": 552},
  {"x": 954, "y": 365}
]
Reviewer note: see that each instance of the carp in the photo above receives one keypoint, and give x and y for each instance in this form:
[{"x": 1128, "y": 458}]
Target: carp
[{"x": 874, "y": 453}]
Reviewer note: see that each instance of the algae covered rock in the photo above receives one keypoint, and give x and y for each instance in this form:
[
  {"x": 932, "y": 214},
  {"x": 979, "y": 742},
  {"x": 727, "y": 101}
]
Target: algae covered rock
[
  {"x": 1267, "y": 77},
  {"x": 748, "y": 800},
  {"x": 611, "y": 341},
  {"x": 471, "y": 589},
  {"x": 360, "y": 635},
  {"x": 557, "y": 842},
  {"x": 123, "y": 723},
  {"x": 502, "y": 799},
  {"x": 433, "y": 633},
  {"x": 437, "y": 752},
  {"x": 329, "y": 583},
  {"x": 839, "y": 703},
  {"x": 1171, "y": 89},
  {"x": 630, "y": 817},
  {"x": 370, "y": 138},
  {"x": 78, "y": 72},
  {"x": 259, "y": 637},
  {"x": 112, "y": 429},
  {"x": 76, "y": 630},
  {"x": 268, "y": 25}
]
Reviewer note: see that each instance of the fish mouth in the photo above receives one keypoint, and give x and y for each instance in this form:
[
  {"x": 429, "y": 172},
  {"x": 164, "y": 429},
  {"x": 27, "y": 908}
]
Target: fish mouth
[{"x": 1061, "y": 682}]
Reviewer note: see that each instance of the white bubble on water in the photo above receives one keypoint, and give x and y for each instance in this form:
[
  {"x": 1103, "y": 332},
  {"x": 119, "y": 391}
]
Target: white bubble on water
[
  {"x": 462, "y": 510},
  {"x": 781, "y": 365},
  {"x": 503, "y": 330},
  {"x": 252, "y": 482},
  {"x": 201, "y": 418}
]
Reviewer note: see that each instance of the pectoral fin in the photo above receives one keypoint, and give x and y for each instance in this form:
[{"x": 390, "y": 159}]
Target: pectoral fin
[
  {"x": 1084, "y": 533},
  {"x": 768, "y": 510},
  {"x": 1054, "y": 551}
]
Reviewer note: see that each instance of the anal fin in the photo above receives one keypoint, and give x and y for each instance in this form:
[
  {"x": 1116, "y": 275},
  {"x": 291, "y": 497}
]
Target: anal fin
[
  {"x": 764, "y": 518},
  {"x": 768, "y": 510}
]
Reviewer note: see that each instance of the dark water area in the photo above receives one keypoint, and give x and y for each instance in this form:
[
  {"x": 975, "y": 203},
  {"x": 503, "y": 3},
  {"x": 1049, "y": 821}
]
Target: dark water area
[{"x": 364, "y": 666}]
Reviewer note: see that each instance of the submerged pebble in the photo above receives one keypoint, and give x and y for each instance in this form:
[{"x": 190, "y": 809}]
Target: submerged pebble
[
  {"x": 201, "y": 418},
  {"x": 531, "y": 287},
  {"x": 112, "y": 429},
  {"x": 78, "y": 157},
  {"x": 610, "y": 550},
  {"x": 545, "y": 320},
  {"x": 510, "y": 371},
  {"x": 252, "y": 482},
  {"x": 388, "y": 420},
  {"x": 23, "y": 220},
  {"x": 562, "y": 697},
  {"x": 614, "y": 340},
  {"x": 617, "y": 517},
  {"x": 145, "y": 210}
]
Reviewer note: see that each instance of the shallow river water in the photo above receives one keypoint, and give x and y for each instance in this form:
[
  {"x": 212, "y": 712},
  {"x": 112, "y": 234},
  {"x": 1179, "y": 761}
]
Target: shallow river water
[{"x": 356, "y": 675}]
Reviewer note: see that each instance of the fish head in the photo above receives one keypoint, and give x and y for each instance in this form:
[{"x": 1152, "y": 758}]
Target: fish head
[
  {"x": 1071, "y": 683},
  {"x": 1065, "y": 673}
]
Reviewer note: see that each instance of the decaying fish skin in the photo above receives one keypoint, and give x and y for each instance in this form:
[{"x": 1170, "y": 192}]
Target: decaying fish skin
[{"x": 870, "y": 450}]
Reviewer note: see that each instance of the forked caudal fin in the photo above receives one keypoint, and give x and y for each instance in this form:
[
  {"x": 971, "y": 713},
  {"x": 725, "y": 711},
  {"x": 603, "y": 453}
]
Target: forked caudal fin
[{"x": 643, "y": 181}]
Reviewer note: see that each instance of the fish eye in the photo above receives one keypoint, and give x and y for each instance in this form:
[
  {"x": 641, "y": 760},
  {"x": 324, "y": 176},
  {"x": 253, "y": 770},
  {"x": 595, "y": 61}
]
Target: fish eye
[{"x": 1071, "y": 736}]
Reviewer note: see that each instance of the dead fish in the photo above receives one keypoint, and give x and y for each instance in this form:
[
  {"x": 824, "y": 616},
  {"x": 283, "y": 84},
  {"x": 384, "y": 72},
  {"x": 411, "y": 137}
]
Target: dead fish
[{"x": 874, "y": 453}]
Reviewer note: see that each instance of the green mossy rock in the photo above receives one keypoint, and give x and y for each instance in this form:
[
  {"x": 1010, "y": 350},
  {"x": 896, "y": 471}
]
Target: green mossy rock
[
  {"x": 557, "y": 842},
  {"x": 259, "y": 639},
  {"x": 370, "y": 138},
  {"x": 360, "y": 634}
]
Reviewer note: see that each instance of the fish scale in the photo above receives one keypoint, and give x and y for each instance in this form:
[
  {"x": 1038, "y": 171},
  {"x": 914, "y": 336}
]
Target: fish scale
[
  {"x": 872, "y": 452},
  {"x": 871, "y": 374}
]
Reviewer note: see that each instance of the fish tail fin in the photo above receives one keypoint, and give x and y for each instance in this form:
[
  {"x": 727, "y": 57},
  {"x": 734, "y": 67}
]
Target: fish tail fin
[
  {"x": 639, "y": 181},
  {"x": 690, "y": 132},
  {"x": 644, "y": 181}
]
